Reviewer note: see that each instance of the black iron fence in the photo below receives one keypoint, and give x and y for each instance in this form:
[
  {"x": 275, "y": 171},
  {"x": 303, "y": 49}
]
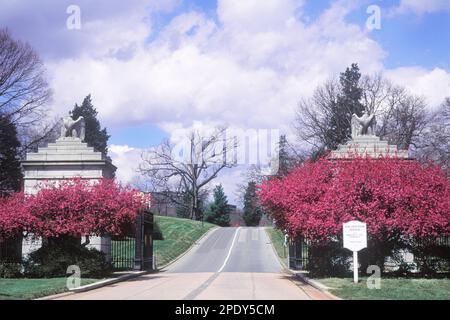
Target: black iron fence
[
  {"x": 434, "y": 251},
  {"x": 433, "y": 254},
  {"x": 443, "y": 241},
  {"x": 136, "y": 251},
  {"x": 123, "y": 253},
  {"x": 299, "y": 250}
]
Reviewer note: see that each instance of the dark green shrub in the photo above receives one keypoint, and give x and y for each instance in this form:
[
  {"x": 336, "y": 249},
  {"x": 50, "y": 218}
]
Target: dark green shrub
[
  {"x": 53, "y": 258},
  {"x": 10, "y": 270},
  {"x": 329, "y": 260},
  {"x": 378, "y": 252},
  {"x": 431, "y": 257}
]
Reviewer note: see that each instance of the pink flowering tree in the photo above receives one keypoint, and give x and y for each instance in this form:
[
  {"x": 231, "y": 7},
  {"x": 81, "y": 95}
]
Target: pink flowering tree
[
  {"x": 64, "y": 212},
  {"x": 77, "y": 208},
  {"x": 13, "y": 217},
  {"x": 401, "y": 201},
  {"x": 74, "y": 208}
]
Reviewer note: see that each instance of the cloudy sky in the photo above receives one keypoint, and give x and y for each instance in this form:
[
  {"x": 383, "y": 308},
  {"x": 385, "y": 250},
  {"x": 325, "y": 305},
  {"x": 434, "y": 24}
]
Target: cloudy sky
[{"x": 156, "y": 65}]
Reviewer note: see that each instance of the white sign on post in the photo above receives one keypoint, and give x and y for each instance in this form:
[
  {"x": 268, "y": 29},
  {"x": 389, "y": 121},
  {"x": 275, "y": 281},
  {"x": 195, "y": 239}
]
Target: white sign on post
[{"x": 355, "y": 239}]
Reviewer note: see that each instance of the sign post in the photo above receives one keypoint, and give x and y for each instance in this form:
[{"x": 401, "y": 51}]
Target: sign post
[
  {"x": 355, "y": 266},
  {"x": 355, "y": 239}
]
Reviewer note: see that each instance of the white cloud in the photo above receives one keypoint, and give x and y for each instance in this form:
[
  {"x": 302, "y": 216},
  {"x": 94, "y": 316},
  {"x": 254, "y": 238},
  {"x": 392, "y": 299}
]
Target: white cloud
[
  {"x": 127, "y": 160},
  {"x": 251, "y": 76},
  {"x": 107, "y": 27},
  {"x": 255, "y": 15},
  {"x": 433, "y": 84},
  {"x": 420, "y": 7},
  {"x": 248, "y": 71}
]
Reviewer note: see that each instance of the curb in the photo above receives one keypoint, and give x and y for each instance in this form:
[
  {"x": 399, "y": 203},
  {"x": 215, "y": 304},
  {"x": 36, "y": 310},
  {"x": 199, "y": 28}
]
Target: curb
[
  {"x": 106, "y": 282},
  {"x": 96, "y": 285},
  {"x": 315, "y": 284},
  {"x": 196, "y": 242}
]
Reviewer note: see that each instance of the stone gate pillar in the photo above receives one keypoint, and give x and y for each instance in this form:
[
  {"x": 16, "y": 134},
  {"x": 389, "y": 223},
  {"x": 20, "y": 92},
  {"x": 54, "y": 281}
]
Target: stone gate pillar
[{"x": 68, "y": 157}]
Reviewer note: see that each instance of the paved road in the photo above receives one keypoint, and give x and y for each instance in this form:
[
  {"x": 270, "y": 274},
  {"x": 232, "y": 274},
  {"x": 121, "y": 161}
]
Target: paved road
[
  {"x": 231, "y": 250},
  {"x": 229, "y": 263}
]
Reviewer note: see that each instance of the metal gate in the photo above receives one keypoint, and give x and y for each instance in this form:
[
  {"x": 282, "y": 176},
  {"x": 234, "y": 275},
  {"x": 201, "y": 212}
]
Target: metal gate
[
  {"x": 136, "y": 251},
  {"x": 123, "y": 253},
  {"x": 298, "y": 253}
]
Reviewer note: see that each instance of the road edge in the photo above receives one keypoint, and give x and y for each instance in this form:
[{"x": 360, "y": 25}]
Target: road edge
[
  {"x": 283, "y": 263},
  {"x": 299, "y": 275}
]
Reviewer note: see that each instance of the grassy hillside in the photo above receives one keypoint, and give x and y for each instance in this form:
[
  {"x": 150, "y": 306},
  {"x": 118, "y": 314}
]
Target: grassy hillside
[{"x": 179, "y": 235}]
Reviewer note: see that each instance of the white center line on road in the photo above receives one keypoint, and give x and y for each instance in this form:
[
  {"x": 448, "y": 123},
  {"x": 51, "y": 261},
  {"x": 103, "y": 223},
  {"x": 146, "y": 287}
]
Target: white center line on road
[{"x": 229, "y": 252}]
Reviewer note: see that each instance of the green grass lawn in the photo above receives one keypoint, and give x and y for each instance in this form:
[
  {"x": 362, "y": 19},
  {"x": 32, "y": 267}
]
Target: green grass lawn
[
  {"x": 391, "y": 289},
  {"x": 277, "y": 238},
  {"x": 179, "y": 235},
  {"x": 34, "y": 288}
]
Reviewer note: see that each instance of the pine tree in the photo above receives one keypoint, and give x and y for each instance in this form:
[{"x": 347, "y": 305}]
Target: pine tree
[
  {"x": 183, "y": 208},
  {"x": 252, "y": 210},
  {"x": 10, "y": 171},
  {"x": 348, "y": 102},
  {"x": 283, "y": 157},
  {"x": 219, "y": 212},
  {"x": 95, "y": 136}
]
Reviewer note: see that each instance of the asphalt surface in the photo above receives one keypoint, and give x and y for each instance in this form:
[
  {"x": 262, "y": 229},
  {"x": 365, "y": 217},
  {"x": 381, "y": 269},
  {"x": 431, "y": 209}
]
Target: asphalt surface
[
  {"x": 233, "y": 250},
  {"x": 228, "y": 263}
]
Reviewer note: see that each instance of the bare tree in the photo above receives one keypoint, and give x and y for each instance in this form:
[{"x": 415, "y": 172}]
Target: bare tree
[
  {"x": 404, "y": 123},
  {"x": 434, "y": 144},
  {"x": 204, "y": 156},
  {"x": 311, "y": 123},
  {"x": 401, "y": 116},
  {"x": 23, "y": 88},
  {"x": 38, "y": 135}
]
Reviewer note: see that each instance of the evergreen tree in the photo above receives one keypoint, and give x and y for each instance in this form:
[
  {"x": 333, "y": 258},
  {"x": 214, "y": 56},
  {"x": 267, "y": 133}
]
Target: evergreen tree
[
  {"x": 348, "y": 102},
  {"x": 283, "y": 157},
  {"x": 10, "y": 171},
  {"x": 183, "y": 208},
  {"x": 219, "y": 212},
  {"x": 252, "y": 210},
  {"x": 95, "y": 136}
]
